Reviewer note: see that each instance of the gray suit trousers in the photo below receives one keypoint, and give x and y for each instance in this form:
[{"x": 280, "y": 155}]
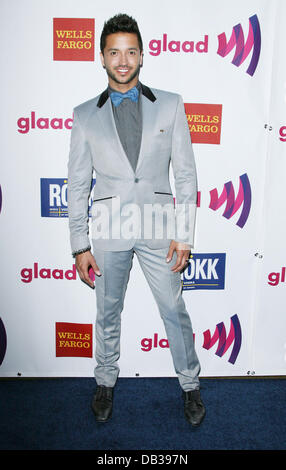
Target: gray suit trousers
[{"x": 166, "y": 288}]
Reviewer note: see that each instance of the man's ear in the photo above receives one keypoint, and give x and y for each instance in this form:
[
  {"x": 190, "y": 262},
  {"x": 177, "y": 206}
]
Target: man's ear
[{"x": 102, "y": 59}]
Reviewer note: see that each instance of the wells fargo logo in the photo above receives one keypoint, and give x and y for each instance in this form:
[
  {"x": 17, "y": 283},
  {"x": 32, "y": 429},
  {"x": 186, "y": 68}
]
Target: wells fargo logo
[
  {"x": 73, "y": 340},
  {"x": 204, "y": 122},
  {"x": 73, "y": 39}
]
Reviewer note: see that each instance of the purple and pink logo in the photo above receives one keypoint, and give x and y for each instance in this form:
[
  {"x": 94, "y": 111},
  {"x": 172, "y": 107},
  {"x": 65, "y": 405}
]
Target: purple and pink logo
[
  {"x": 243, "y": 49},
  {"x": 237, "y": 40},
  {"x": 3, "y": 341},
  {"x": 233, "y": 203},
  {"x": 224, "y": 342}
]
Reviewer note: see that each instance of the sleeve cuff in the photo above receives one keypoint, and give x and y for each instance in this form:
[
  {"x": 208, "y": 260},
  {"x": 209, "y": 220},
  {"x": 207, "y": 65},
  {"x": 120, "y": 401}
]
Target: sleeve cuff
[{"x": 83, "y": 250}]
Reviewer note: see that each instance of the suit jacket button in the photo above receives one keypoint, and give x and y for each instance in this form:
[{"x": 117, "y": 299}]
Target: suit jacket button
[{"x": 136, "y": 180}]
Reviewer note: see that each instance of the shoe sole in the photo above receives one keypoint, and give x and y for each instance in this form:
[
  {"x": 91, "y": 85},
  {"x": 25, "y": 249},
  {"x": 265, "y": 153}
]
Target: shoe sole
[{"x": 102, "y": 420}]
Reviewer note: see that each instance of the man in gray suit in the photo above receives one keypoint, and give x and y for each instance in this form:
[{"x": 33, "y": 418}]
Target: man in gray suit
[{"x": 129, "y": 135}]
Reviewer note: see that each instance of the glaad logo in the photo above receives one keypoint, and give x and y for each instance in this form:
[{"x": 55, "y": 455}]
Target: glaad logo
[
  {"x": 148, "y": 343},
  {"x": 54, "y": 197},
  {"x": 204, "y": 271},
  {"x": 243, "y": 49},
  {"x": 28, "y": 274},
  {"x": 25, "y": 124},
  {"x": 156, "y": 46},
  {"x": 233, "y": 204},
  {"x": 275, "y": 278},
  {"x": 282, "y": 133},
  {"x": 3, "y": 341},
  {"x": 224, "y": 342}
]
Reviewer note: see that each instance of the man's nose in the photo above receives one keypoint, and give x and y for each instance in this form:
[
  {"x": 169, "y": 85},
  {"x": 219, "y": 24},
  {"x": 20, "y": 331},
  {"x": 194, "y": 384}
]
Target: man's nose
[{"x": 123, "y": 59}]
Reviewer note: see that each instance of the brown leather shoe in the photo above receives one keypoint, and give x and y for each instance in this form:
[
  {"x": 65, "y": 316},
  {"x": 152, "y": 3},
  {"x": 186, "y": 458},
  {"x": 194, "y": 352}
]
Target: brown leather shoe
[
  {"x": 194, "y": 407},
  {"x": 102, "y": 403}
]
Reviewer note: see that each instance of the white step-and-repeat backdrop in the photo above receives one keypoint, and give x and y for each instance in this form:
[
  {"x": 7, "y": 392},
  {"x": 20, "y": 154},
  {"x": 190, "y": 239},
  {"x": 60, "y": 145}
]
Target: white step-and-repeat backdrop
[{"x": 227, "y": 60}]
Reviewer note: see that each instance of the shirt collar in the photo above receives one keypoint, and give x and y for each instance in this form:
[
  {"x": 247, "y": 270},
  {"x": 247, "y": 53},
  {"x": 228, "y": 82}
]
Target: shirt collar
[
  {"x": 110, "y": 90},
  {"x": 145, "y": 91}
]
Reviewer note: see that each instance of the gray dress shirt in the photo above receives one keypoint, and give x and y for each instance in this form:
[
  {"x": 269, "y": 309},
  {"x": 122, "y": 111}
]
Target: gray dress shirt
[{"x": 128, "y": 120}]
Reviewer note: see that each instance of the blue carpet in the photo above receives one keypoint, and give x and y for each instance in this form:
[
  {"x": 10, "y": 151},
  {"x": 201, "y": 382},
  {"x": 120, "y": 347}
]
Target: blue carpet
[{"x": 55, "y": 414}]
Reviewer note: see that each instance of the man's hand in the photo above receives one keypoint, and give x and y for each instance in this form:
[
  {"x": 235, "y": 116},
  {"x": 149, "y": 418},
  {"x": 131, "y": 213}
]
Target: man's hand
[
  {"x": 183, "y": 253},
  {"x": 83, "y": 262}
]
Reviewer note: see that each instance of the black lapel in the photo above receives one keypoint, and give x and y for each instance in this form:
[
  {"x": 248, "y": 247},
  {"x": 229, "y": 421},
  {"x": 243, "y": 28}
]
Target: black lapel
[
  {"x": 103, "y": 98},
  {"x": 145, "y": 91},
  {"x": 148, "y": 93}
]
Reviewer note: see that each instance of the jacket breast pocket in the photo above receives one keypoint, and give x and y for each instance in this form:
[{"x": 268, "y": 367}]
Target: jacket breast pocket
[{"x": 162, "y": 139}]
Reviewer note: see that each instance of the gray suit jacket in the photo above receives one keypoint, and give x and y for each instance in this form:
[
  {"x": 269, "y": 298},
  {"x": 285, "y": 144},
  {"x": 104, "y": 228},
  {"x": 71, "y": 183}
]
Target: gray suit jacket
[{"x": 127, "y": 204}]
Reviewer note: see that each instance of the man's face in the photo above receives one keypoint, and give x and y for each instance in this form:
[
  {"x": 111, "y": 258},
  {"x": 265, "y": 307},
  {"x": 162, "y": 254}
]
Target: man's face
[{"x": 122, "y": 60}]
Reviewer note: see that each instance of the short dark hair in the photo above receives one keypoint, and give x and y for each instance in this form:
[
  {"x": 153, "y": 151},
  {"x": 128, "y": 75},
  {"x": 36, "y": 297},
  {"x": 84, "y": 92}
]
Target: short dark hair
[{"x": 120, "y": 23}]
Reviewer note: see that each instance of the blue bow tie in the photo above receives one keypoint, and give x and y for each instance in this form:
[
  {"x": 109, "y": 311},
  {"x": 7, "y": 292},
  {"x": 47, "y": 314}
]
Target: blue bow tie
[{"x": 117, "y": 97}]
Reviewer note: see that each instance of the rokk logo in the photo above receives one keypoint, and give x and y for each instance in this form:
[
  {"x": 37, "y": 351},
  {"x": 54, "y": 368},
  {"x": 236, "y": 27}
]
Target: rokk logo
[
  {"x": 204, "y": 271},
  {"x": 54, "y": 197},
  {"x": 73, "y": 340},
  {"x": 74, "y": 39},
  {"x": 243, "y": 49},
  {"x": 204, "y": 122},
  {"x": 3, "y": 341},
  {"x": 233, "y": 203},
  {"x": 224, "y": 342}
]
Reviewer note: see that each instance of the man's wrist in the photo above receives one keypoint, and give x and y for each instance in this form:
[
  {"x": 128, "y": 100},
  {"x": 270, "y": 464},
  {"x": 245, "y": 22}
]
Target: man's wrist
[
  {"x": 79, "y": 252},
  {"x": 183, "y": 246}
]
